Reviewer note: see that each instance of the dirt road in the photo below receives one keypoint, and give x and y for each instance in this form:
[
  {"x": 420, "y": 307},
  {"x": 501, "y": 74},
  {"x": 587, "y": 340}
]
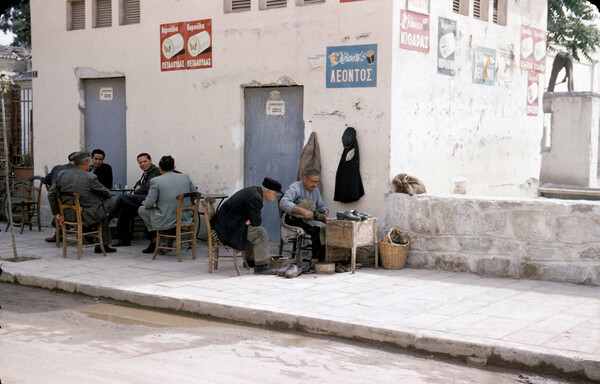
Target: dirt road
[{"x": 52, "y": 337}]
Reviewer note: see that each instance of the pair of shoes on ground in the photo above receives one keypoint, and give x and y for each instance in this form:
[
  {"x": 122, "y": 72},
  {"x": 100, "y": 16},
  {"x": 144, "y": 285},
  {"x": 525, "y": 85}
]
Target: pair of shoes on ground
[
  {"x": 51, "y": 239},
  {"x": 351, "y": 215},
  {"x": 264, "y": 270},
  {"x": 343, "y": 268},
  {"x": 107, "y": 249},
  {"x": 289, "y": 270}
]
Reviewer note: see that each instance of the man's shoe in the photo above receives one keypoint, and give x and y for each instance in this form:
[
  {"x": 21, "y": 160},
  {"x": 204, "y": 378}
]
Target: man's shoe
[
  {"x": 150, "y": 248},
  {"x": 264, "y": 270},
  {"x": 51, "y": 239},
  {"x": 293, "y": 271},
  {"x": 281, "y": 271},
  {"x": 107, "y": 249},
  {"x": 122, "y": 243},
  {"x": 347, "y": 216},
  {"x": 362, "y": 216}
]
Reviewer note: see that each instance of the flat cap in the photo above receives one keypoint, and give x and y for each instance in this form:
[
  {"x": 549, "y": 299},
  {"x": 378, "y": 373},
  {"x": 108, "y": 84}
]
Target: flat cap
[
  {"x": 272, "y": 184},
  {"x": 79, "y": 156}
]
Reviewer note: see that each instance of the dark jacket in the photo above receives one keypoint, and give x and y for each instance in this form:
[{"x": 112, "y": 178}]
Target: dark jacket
[
  {"x": 104, "y": 173},
  {"x": 230, "y": 220},
  {"x": 144, "y": 181},
  {"x": 51, "y": 177},
  {"x": 93, "y": 195}
]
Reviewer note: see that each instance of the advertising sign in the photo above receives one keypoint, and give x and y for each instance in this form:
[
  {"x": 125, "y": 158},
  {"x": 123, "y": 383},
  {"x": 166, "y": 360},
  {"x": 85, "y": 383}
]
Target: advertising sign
[
  {"x": 414, "y": 31},
  {"x": 419, "y": 6},
  {"x": 186, "y": 45},
  {"x": 351, "y": 66},
  {"x": 446, "y": 46},
  {"x": 484, "y": 66},
  {"x": 533, "y": 49},
  {"x": 533, "y": 93}
]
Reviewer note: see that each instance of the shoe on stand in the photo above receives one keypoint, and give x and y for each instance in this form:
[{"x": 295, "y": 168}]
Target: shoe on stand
[{"x": 347, "y": 216}]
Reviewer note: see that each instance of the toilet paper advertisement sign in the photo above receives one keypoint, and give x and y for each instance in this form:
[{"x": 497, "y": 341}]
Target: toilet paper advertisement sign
[
  {"x": 533, "y": 49},
  {"x": 186, "y": 45}
]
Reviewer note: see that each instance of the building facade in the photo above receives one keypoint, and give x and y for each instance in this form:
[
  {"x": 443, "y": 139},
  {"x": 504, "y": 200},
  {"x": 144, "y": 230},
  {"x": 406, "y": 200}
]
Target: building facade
[{"x": 447, "y": 91}]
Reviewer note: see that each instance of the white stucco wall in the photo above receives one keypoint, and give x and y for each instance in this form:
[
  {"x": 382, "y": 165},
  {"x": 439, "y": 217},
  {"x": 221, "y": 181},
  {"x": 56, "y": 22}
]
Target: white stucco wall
[
  {"x": 447, "y": 129},
  {"x": 197, "y": 115}
]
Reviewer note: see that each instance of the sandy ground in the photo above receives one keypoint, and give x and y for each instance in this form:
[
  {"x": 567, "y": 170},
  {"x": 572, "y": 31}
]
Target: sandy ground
[{"x": 53, "y": 337}]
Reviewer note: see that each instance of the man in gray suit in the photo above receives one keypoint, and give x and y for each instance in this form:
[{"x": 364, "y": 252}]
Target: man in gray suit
[
  {"x": 96, "y": 200},
  {"x": 158, "y": 209}
]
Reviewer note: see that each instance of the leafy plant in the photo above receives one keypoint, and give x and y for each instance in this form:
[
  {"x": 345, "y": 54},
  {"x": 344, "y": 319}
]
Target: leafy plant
[{"x": 571, "y": 24}]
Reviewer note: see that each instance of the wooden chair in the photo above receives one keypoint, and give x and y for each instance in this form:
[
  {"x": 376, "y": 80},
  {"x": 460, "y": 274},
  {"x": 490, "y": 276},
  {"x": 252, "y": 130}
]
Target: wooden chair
[
  {"x": 26, "y": 203},
  {"x": 74, "y": 230},
  {"x": 56, "y": 226},
  {"x": 182, "y": 229},
  {"x": 214, "y": 244},
  {"x": 291, "y": 234}
]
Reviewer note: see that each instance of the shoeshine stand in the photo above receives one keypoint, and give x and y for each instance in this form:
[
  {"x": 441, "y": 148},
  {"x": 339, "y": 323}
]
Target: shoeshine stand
[{"x": 350, "y": 234}]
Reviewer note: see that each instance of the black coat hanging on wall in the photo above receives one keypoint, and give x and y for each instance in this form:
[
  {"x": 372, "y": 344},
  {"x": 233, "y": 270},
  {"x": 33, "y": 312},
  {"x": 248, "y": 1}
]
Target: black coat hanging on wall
[{"x": 348, "y": 183}]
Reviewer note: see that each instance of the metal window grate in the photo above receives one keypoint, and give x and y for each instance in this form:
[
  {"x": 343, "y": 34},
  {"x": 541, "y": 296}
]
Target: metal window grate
[
  {"x": 268, "y": 4},
  {"x": 237, "y": 6},
  {"x": 130, "y": 12},
  {"x": 77, "y": 14},
  {"x": 103, "y": 13},
  {"x": 456, "y": 6},
  {"x": 477, "y": 9},
  {"x": 308, "y": 2}
]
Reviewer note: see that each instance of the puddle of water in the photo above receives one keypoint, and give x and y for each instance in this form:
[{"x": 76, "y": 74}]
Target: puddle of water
[
  {"x": 139, "y": 316},
  {"x": 19, "y": 259}
]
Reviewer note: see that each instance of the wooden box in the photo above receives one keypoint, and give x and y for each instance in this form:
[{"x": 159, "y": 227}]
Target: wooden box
[{"x": 349, "y": 234}]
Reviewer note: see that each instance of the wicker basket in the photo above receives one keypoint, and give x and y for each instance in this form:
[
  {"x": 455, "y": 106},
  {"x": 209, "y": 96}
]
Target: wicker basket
[{"x": 393, "y": 256}]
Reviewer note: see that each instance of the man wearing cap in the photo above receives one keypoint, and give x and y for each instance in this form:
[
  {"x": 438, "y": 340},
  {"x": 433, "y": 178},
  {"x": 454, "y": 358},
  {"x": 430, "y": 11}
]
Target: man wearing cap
[
  {"x": 237, "y": 223},
  {"x": 49, "y": 180},
  {"x": 95, "y": 199},
  {"x": 126, "y": 207}
]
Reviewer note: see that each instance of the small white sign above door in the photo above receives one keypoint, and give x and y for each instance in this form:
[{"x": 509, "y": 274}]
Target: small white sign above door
[
  {"x": 106, "y": 93},
  {"x": 275, "y": 107}
]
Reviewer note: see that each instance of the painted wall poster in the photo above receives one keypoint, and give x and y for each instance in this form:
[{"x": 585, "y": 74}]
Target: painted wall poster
[
  {"x": 186, "y": 45},
  {"x": 351, "y": 66},
  {"x": 419, "y": 6},
  {"x": 533, "y": 93},
  {"x": 484, "y": 66},
  {"x": 533, "y": 49},
  {"x": 446, "y": 46},
  {"x": 505, "y": 65},
  {"x": 414, "y": 31}
]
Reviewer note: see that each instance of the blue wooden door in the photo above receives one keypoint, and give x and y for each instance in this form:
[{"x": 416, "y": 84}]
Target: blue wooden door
[
  {"x": 105, "y": 122},
  {"x": 274, "y": 135}
]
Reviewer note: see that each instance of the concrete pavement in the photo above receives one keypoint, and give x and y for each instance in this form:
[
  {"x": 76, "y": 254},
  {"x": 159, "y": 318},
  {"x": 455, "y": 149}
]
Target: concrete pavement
[{"x": 545, "y": 326}]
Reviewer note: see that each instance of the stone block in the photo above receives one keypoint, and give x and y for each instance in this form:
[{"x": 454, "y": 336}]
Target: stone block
[
  {"x": 591, "y": 253},
  {"x": 576, "y": 229},
  {"x": 461, "y": 219},
  {"x": 511, "y": 248},
  {"x": 419, "y": 217},
  {"x": 451, "y": 262},
  {"x": 532, "y": 225},
  {"x": 494, "y": 223},
  {"x": 545, "y": 253},
  {"x": 434, "y": 243},
  {"x": 475, "y": 244},
  {"x": 494, "y": 267}
]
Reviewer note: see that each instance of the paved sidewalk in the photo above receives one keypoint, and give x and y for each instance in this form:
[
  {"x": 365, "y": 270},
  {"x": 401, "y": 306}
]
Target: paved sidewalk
[{"x": 545, "y": 325}]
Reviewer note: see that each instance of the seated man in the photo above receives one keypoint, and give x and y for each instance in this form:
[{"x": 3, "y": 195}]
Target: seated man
[
  {"x": 158, "y": 210},
  {"x": 49, "y": 180},
  {"x": 126, "y": 207},
  {"x": 96, "y": 200},
  {"x": 304, "y": 206},
  {"x": 101, "y": 169},
  {"x": 237, "y": 223}
]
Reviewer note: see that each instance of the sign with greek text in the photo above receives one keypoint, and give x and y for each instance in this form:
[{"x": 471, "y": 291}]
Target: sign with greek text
[
  {"x": 484, "y": 66},
  {"x": 352, "y": 66},
  {"x": 446, "y": 46},
  {"x": 533, "y": 93},
  {"x": 414, "y": 31},
  {"x": 275, "y": 108},
  {"x": 533, "y": 49},
  {"x": 186, "y": 45}
]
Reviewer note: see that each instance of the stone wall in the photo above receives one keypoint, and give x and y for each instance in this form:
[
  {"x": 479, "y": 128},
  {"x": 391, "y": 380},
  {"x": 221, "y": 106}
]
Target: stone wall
[{"x": 542, "y": 239}]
